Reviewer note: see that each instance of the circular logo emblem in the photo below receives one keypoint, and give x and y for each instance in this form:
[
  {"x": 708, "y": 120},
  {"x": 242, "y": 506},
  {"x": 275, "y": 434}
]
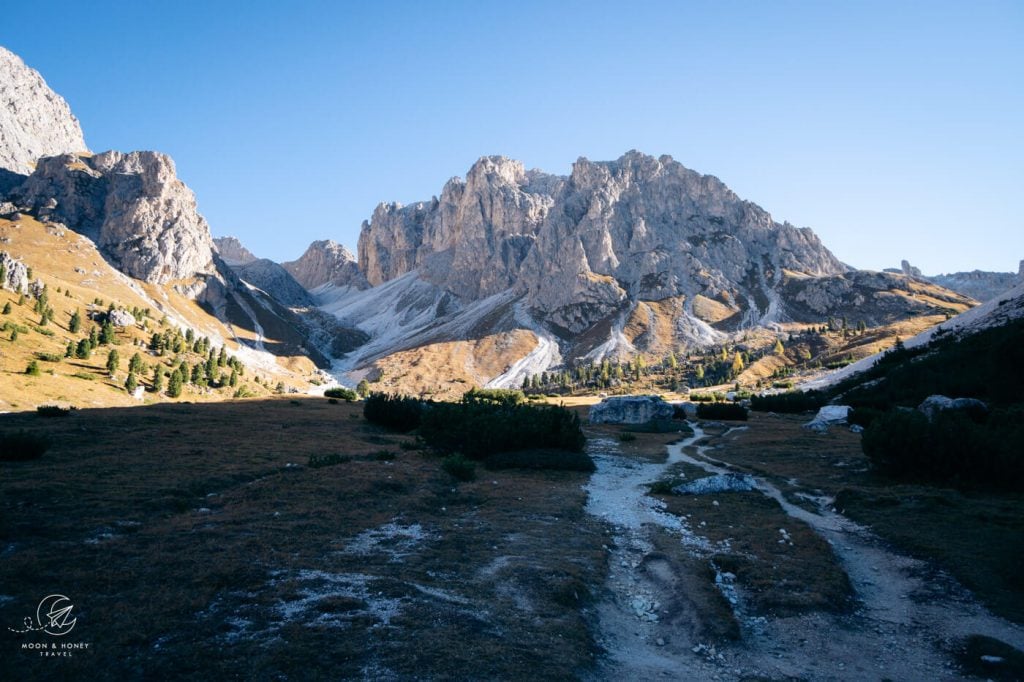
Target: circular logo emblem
[{"x": 54, "y": 615}]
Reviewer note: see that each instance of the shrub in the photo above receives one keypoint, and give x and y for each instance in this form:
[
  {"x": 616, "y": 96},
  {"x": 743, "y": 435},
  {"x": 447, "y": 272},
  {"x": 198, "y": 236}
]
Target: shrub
[
  {"x": 399, "y": 413},
  {"x": 494, "y": 396},
  {"x": 479, "y": 429},
  {"x": 459, "y": 467},
  {"x": 383, "y": 455},
  {"x": 721, "y": 411},
  {"x": 53, "y": 411},
  {"x": 22, "y": 446},
  {"x": 320, "y": 461},
  {"x": 792, "y": 402},
  {"x": 50, "y": 357},
  {"x": 951, "y": 449},
  {"x": 627, "y": 437},
  {"x": 33, "y": 369},
  {"x": 863, "y": 416},
  {"x": 346, "y": 394},
  {"x": 555, "y": 460}
]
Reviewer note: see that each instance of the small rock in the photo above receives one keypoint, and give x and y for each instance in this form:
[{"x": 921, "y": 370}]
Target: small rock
[{"x": 661, "y": 642}]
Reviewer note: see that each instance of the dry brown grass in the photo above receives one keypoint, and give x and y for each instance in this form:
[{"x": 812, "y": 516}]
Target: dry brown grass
[
  {"x": 196, "y": 544},
  {"x": 69, "y": 262}
]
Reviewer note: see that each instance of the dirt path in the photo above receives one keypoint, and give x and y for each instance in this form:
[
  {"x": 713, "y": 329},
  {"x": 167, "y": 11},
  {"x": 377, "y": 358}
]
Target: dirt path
[{"x": 907, "y": 618}]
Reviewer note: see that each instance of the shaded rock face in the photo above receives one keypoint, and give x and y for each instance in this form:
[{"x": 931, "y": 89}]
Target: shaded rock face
[
  {"x": 232, "y": 251},
  {"x": 326, "y": 262},
  {"x": 638, "y": 409},
  {"x": 934, "y": 404},
  {"x": 132, "y": 205},
  {"x": 34, "y": 120},
  {"x": 275, "y": 281},
  {"x": 580, "y": 248}
]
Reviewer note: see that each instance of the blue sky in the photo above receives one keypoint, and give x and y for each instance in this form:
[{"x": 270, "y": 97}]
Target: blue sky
[{"x": 893, "y": 129}]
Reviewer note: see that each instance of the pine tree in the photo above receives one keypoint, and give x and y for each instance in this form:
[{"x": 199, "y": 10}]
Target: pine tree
[
  {"x": 21, "y": 299},
  {"x": 135, "y": 365},
  {"x": 699, "y": 372},
  {"x": 362, "y": 388},
  {"x": 113, "y": 361},
  {"x": 7, "y": 308},
  {"x": 94, "y": 337},
  {"x": 14, "y": 334},
  {"x": 671, "y": 362},
  {"x": 3, "y": 275},
  {"x": 778, "y": 350},
  {"x": 737, "y": 363},
  {"x": 33, "y": 369},
  {"x": 107, "y": 333},
  {"x": 131, "y": 383},
  {"x": 174, "y": 385},
  {"x": 222, "y": 357},
  {"x": 158, "y": 379},
  {"x": 83, "y": 350},
  {"x": 69, "y": 352}
]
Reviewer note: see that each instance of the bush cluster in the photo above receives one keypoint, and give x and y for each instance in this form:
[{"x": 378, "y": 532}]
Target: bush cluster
[
  {"x": 793, "y": 402},
  {"x": 722, "y": 411},
  {"x": 459, "y": 467},
  {"x": 395, "y": 412},
  {"x": 952, "y": 449},
  {"x": 346, "y": 394},
  {"x": 53, "y": 411}
]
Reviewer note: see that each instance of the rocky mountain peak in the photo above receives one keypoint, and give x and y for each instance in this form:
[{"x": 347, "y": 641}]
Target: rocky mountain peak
[
  {"x": 34, "y": 120},
  {"x": 232, "y": 251},
  {"x": 326, "y": 262},
  {"x": 131, "y": 204}
]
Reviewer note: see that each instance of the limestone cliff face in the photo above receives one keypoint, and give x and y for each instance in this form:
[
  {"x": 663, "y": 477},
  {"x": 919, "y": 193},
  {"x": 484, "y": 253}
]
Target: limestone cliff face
[
  {"x": 275, "y": 281},
  {"x": 232, "y": 251},
  {"x": 978, "y": 284},
  {"x": 326, "y": 262},
  {"x": 581, "y": 247},
  {"x": 472, "y": 240},
  {"x": 132, "y": 205},
  {"x": 34, "y": 120}
]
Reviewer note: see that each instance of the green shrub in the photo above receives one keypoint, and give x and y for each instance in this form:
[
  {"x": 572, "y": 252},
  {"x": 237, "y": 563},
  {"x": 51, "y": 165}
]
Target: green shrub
[
  {"x": 627, "y": 437},
  {"x": 554, "y": 460},
  {"x": 399, "y": 413},
  {"x": 88, "y": 376},
  {"x": 53, "y": 411},
  {"x": 383, "y": 455},
  {"x": 782, "y": 384},
  {"x": 495, "y": 396},
  {"x": 952, "y": 449},
  {"x": 341, "y": 393},
  {"x": 50, "y": 357},
  {"x": 320, "y": 461},
  {"x": 33, "y": 369},
  {"x": 459, "y": 467},
  {"x": 793, "y": 402},
  {"x": 479, "y": 429},
  {"x": 721, "y": 411},
  {"x": 22, "y": 446}
]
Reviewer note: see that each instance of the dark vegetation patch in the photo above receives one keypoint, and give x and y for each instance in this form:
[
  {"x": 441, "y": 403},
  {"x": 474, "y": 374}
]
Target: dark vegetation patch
[
  {"x": 53, "y": 411},
  {"x": 730, "y": 411},
  {"x": 793, "y": 402},
  {"x": 21, "y": 446},
  {"x": 990, "y": 659},
  {"x": 556, "y": 460},
  {"x": 341, "y": 393}
]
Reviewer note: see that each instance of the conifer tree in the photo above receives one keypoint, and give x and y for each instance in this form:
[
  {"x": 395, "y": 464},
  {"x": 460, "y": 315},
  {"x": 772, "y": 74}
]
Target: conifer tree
[
  {"x": 158, "y": 379},
  {"x": 737, "y": 363},
  {"x": 7, "y": 308},
  {"x": 135, "y": 364},
  {"x": 362, "y": 388},
  {"x": 131, "y": 383},
  {"x": 94, "y": 337},
  {"x": 75, "y": 324},
  {"x": 69, "y": 352},
  {"x": 32, "y": 369},
  {"x": 107, "y": 333},
  {"x": 14, "y": 334},
  {"x": 113, "y": 361},
  {"x": 778, "y": 350},
  {"x": 83, "y": 350},
  {"x": 174, "y": 384}
]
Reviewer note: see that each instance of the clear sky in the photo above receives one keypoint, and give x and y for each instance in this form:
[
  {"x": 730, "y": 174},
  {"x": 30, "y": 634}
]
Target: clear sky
[{"x": 894, "y": 129}]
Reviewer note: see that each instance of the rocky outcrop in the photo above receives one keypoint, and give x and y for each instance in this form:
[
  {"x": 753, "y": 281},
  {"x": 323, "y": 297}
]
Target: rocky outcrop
[
  {"x": 232, "y": 251},
  {"x": 934, "y": 404},
  {"x": 34, "y": 120},
  {"x": 275, "y": 281},
  {"x": 132, "y": 205},
  {"x": 581, "y": 248},
  {"x": 977, "y": 284},
  {"x": 828, "y": 415},
  {"x": 326, "y": 262},
  {"x": 15, "y": 274},
  {"x": 121, "y": 318},
  {"x": 633, "y": 409}
]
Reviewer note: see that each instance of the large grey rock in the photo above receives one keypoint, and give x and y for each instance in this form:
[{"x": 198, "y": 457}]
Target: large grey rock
[
  {"x": 34, "y": 120},
  {"x": 275, "y": 281},
  {"x": 132, "y": 205},
  {"x": 828, "y": 415},
  {"x": 719, "y": 483},
  {"x": 15, "y": 274},
  {"x": 934, "y": 404},
  {"x": 326, "y": 262},
  {"x": 121, "y": 318},
  {"x": 632, "y": 409},
  {"x": 232, "y": 251}
]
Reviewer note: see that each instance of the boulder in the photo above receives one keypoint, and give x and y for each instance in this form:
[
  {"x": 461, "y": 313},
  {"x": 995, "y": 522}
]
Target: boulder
[
  {"x": 631, "y": 409},
  {"x": 722, "y": 483},
  {"x": 121, "y": 318},
  {"x": 934, "y": 404},
  {"x": 827, "y": 416}
]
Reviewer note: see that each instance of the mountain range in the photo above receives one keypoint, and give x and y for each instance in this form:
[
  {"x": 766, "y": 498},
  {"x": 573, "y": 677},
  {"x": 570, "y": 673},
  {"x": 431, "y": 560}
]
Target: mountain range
[{"x": 505, "y": 274}]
